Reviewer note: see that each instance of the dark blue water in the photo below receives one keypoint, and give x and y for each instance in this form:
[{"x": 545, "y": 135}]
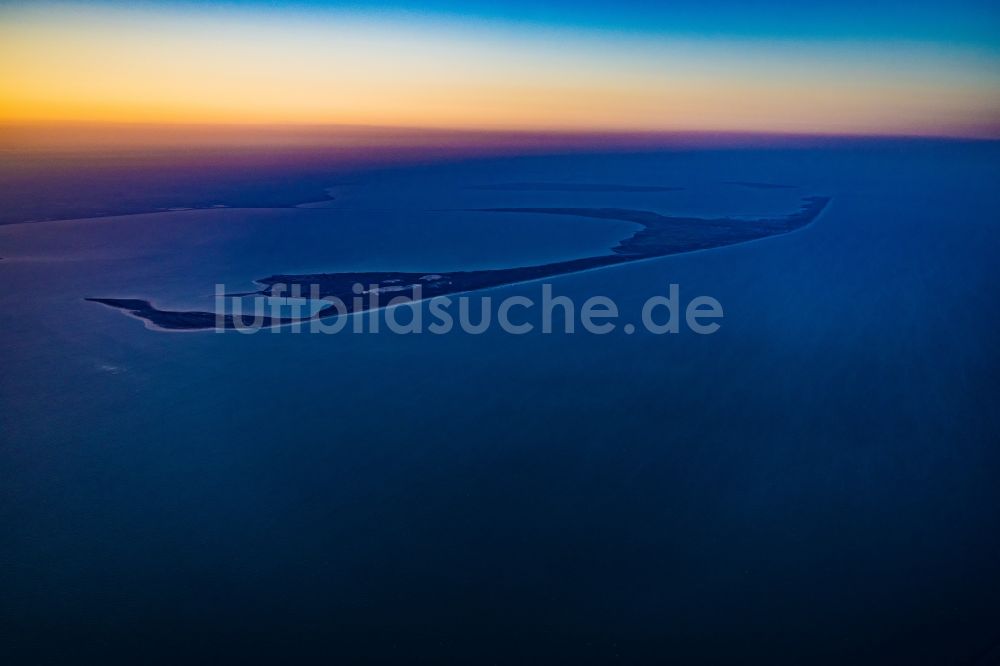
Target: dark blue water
[{"x": 815, "y": 483}]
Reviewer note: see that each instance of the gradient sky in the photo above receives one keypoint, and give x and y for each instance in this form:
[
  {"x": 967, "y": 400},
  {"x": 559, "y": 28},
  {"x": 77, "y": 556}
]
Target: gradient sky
[{"x": 839, "y": 67}]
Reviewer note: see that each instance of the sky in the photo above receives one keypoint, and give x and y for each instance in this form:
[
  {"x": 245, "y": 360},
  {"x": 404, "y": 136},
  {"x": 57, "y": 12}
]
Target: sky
[{"x": 913, "y": 68}]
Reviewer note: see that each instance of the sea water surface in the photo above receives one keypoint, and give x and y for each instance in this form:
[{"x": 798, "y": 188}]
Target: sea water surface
[{"x": 817, "y": 482}]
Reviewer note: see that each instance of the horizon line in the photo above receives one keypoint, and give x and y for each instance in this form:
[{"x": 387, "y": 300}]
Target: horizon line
[{"x": 486, "y": 130}]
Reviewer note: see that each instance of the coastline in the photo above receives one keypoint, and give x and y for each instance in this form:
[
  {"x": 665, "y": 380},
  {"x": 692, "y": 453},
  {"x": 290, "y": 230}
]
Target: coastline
[{"x": 659, "y": 236}]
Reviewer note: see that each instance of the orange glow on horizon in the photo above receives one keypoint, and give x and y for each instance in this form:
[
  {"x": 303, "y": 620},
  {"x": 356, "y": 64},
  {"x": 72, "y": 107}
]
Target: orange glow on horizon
[{"x": 103, "y": 66}]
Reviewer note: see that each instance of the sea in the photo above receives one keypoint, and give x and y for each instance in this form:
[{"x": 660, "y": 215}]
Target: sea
[{"x": 817, "y": 482}]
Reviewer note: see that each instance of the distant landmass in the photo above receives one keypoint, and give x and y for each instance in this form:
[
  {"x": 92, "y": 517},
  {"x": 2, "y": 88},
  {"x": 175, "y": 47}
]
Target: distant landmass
[{"x": 659, "y": 235}]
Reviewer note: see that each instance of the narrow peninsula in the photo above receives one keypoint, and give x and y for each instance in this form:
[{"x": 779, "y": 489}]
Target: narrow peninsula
[{"x": 658, "y": 236}]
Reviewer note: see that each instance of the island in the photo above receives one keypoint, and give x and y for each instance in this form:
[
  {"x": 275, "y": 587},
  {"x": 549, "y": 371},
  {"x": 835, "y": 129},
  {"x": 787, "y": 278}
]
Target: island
[{"x": 657, "y": 236}]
